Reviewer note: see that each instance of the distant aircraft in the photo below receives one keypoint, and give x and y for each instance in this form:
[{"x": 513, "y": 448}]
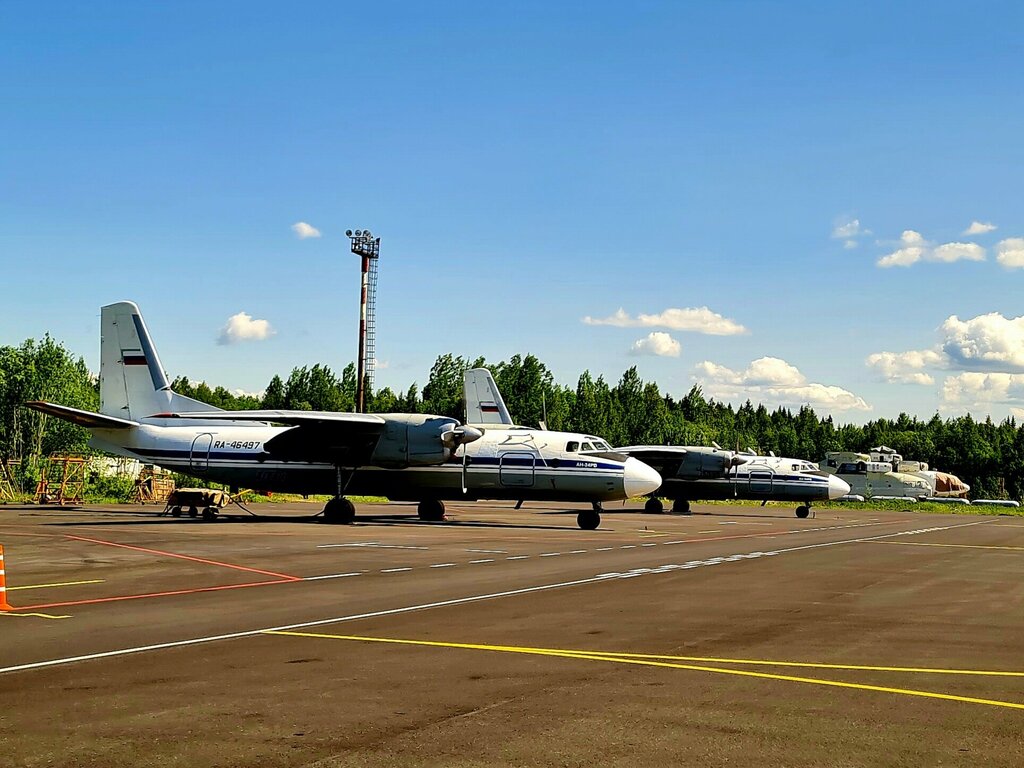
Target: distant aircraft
[
  {"x": 873, "y": 478},
  {"x": 941, "y": 484},
  {"x": 688, "y": 472},
  {"x": 698, "y": 472},
  {"x": 404, "y": 456}
]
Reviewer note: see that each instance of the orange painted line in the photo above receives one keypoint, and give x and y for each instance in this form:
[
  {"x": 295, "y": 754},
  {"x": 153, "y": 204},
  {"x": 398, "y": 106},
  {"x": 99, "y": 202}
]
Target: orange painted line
[
  {"x": 186, "y": 557},
  {"x": 169, "y": 593}
]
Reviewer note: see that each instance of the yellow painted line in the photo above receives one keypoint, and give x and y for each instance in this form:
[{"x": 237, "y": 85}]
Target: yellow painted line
[
  {"x": 59, "y": 584},
  {"x": 960, "y": 546},
  {"x": 663, "y": 664},
  {"x": 37, "y": 615}
]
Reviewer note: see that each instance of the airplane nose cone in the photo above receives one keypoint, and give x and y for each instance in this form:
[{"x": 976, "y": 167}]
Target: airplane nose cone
[
  {"x": 639, "y": 479},
  {"x": 837, "y": 487}
]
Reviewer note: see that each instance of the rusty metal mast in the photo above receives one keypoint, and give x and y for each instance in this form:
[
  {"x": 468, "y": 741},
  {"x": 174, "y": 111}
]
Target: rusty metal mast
[{"x": 367, "y": 247}]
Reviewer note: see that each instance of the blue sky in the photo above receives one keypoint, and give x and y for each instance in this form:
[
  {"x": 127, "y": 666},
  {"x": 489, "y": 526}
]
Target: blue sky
[{"x": 528, "y": 167}]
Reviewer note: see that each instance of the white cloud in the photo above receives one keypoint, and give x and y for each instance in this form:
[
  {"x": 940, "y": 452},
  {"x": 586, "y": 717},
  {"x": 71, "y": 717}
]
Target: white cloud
[
  {"x": 850, "y": 244},
  {"x": 986, "y": 342},
  {"x": 905, "y": 367},
  {"x": 950, "y": 252},
  {"x": 916, "y": 248},
  {"x": 911, "y": 252},
  {"x": 244, "y": 393},
  {"x": 304, "y": 231},
  {"x": 847, "y": 228},
  {"x": 980, "y": 228},
  {"x": 697, "y": 320},
  {"x": 1010, "y": 252},
  {"x": 982, "y": 390},
  {"x": 775, "y": 382},
  {"x": 656, "y": 343},
  {"x": 243, "y": 327}
]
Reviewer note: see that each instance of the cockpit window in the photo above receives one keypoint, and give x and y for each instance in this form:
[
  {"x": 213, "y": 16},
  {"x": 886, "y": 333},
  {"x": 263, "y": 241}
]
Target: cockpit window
[
  {"x": 602, "y": 445},
  {"x": 588, "y": 447},
  {"x": 572, "y": 447}
]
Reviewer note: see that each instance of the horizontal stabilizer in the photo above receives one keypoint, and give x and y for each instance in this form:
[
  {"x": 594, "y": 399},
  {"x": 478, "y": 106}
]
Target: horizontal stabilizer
[
  {"x": 82, "y": 418},
  {"x": 295, "y": 418}
]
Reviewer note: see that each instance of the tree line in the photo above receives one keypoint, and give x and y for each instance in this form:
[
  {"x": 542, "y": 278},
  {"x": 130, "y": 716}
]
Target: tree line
[{"x": 988, "y": 456}]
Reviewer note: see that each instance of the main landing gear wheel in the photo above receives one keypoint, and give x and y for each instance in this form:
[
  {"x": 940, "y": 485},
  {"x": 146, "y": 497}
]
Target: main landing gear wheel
[
  {"x": 803, "y": 512},
  {"x": 680, "y": 507},
  {"x": 209, "y": 514},
  {"x": 589, "y": 519},
  {"x": 431, "y": 510},
  {"x": 175, "y": 511},
  {"x": 653, "y": 506},
  {"x": 339, "y": 510}
]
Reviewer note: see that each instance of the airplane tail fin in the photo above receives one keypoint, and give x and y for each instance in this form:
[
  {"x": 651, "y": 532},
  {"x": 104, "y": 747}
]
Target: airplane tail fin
[
  {"x": 483, "y": 400},
  {"x": 133, "y": 384}
]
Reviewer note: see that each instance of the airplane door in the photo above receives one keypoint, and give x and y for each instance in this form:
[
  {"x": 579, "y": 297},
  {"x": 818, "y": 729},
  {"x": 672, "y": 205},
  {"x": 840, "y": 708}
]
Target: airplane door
[
  {"x": 199, "y": 458},
  {"x": 516, "y": 469},
  {"x": 760, "y": 482}
]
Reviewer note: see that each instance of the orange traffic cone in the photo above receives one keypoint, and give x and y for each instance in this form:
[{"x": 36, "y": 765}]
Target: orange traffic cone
[{"x": 4, "y": 605}]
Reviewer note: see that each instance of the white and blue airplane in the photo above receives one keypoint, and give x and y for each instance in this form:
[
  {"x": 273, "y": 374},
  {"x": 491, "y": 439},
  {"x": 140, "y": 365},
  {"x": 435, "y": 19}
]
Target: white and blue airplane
[
  {"x": 403, "y": 456},
  {"x": 687, "y": 472}
]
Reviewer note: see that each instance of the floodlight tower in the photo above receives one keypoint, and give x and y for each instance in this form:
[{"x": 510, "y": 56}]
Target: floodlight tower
[{"x": 366, "y": 246}]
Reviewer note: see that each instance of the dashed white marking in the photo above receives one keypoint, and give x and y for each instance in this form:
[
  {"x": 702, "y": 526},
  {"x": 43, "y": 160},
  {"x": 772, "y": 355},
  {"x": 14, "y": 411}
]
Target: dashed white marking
[
  {"x": 489, "y": 551},
  {"x": 653, "y": 544},
  {"x": 443, "y": 565},
  {"x": 518, "y": 557},
  {"x": 604, "y": 549},
  {"x": 394, "y": 570},
  {"x": 576, "y": 552},
  {"x": 628, "y": 546},
  {"x": 333, "y": 576},
  {"x": 550, "y": 554},
  {"x": 477, "y": 562},
  {"x": 666, "y": 543}
]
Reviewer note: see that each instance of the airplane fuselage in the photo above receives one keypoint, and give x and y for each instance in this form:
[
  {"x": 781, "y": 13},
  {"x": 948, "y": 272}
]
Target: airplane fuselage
[{"x": 502, "y": 464}]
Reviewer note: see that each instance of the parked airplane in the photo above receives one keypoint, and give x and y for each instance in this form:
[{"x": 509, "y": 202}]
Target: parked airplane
[
  {"x": 699, "y": 472},
  {"x": 688, "y": 472},
  {"x": 414, "y": 457}
]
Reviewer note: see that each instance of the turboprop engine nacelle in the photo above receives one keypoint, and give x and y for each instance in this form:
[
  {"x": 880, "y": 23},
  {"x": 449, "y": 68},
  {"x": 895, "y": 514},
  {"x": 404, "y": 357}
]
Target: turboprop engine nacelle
[
  {"x": 707, "y": 463},
  {"x": 413, "y": 440}
]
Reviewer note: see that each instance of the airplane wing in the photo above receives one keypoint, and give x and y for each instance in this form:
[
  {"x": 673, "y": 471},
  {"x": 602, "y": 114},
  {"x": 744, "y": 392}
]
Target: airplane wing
[
  {"x": 347, "y": 439},
  {"x": 81, "y": 418},
  {"x": 293, "y": 418}
]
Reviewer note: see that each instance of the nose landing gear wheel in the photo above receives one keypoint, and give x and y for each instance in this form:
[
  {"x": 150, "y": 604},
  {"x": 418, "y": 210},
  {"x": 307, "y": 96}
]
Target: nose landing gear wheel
[
  {"x": 339, "y": 510},
  {"x": 589, "y": 519},
  {"x": 431, "y": 510},
  {"x": 653, "y": 506},
  {"x": 803, "y": 512}
]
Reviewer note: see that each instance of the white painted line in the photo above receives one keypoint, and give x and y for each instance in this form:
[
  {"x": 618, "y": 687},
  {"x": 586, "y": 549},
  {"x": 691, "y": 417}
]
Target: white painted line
[
  {"x": 443, "y": 565},
  {"x": 518, "y": 557},
  {"x": 666, "y": 543},
  {"x": 604, "y": 549},
  {"x": 394, "y": 570},
  {"x": 301, "y": 625},
  {"x": 476, "y": 562},
  {"x": 369, "y": 544},
  {"x": 333, "y": 576},
  {"x": 628, "y": 546},
  {"x": 550, "y": 554},
  {"x": 577, "y": 552},
  {"x": 654, "y": 544},
  {"x": 489, "y": 551}
]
